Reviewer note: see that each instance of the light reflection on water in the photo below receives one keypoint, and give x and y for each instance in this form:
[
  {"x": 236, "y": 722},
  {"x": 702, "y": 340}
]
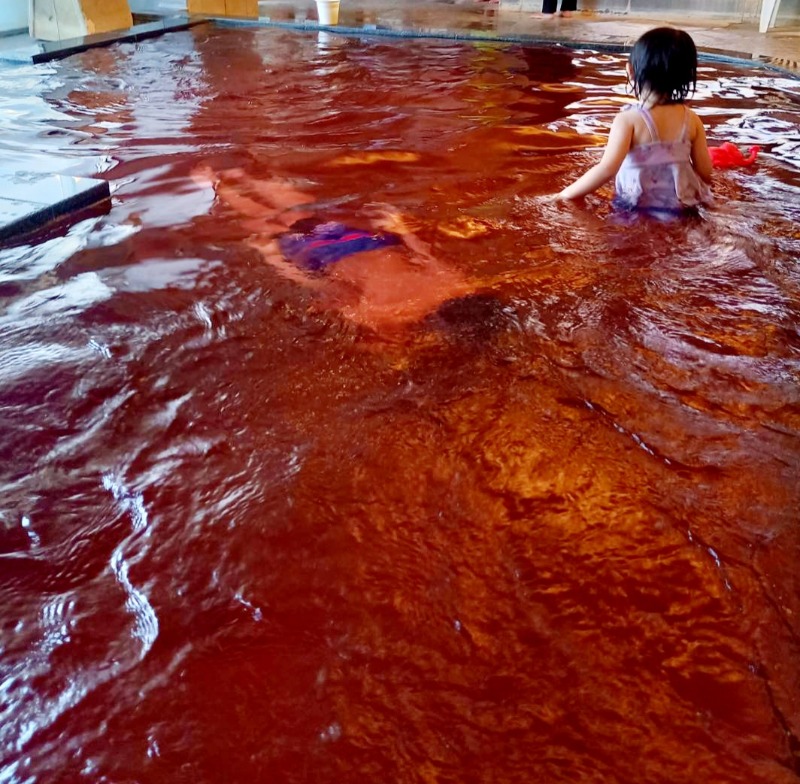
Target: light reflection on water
[{"x": 546, "y": 533}]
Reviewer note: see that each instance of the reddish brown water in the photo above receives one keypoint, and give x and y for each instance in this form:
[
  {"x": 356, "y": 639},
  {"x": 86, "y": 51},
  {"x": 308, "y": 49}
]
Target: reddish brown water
[{"x": 546, "y": 536}]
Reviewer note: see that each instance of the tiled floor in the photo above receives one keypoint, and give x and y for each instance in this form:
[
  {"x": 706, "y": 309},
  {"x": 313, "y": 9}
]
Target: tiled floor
[{"x": 515, "y": 19}]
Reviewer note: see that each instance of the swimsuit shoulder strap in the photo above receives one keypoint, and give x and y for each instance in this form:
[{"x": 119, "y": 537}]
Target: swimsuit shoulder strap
[
  {"x": 648, "y": 121},
  {"x": 685, "y": 131}
]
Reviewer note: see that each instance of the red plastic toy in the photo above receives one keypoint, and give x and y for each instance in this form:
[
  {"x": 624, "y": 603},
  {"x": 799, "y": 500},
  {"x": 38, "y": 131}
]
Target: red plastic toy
[{"x": 728, "y": 156}]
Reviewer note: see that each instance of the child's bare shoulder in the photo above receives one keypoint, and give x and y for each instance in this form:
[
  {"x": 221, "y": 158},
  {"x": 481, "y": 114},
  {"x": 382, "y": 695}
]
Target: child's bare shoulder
[
  {"x": 626, "y": 117},
  {"x": 693, "y": 121}
]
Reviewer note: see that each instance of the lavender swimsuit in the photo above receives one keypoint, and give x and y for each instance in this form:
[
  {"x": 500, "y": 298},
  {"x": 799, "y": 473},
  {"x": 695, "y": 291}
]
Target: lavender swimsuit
[{"x": 659, "y": 175}]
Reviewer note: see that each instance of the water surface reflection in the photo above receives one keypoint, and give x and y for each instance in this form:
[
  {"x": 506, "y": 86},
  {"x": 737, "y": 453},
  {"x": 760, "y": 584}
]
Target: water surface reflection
[{"x": 244, "y": 538}]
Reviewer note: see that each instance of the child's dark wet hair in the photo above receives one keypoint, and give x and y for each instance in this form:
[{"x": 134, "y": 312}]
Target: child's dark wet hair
[{"x": 664, "y": 61}]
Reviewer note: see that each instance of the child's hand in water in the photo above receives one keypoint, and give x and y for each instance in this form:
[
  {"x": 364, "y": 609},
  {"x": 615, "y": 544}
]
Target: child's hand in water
[{"x": 386, "y": 218}]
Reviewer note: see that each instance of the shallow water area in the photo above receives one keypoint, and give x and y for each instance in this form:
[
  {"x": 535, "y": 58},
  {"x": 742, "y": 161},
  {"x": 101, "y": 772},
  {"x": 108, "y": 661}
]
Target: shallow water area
[{"x": 544, "y": 531}]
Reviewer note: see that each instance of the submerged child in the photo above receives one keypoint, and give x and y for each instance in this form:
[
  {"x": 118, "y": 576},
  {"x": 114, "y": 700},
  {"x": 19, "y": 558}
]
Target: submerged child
[
  {"x": 383, "y": 277},
  {"x": 657, "y": 148}
]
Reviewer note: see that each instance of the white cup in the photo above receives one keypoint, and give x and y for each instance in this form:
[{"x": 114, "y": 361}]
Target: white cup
[{"x": 328, "y": 12}]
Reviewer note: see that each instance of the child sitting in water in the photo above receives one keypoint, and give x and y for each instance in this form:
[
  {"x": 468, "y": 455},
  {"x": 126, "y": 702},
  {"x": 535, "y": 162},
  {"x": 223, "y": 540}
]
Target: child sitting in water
[{"x": 657, "y": 148}]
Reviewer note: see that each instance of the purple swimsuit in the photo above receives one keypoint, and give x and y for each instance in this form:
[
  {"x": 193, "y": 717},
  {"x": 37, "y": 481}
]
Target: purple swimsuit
[
  {"x": 313, "y": 245},
  {"x": 659, "y": 175}
]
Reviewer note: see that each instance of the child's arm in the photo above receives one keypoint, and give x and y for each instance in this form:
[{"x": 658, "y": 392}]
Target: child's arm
[
  {"x": 619, "y": 143},
  {"x": 389, "y": 219},
  {"x": 701, "y": 158},
  {"x": 271, "y": 253}
]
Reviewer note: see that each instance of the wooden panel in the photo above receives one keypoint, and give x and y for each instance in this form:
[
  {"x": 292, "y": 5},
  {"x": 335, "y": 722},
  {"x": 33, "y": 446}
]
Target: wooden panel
[
  {"x": 104, "y": 15},
  {"x": 246, "y": 8},
  {"x": 54, "y": 20},
  {"x": 213, "y": 7},
  {"x": 71, "y": 23},
  {"x": 43, "y": 24}
]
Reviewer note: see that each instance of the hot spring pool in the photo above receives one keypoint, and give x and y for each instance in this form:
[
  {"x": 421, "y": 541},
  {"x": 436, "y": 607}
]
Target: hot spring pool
[{"x": 545, "y": 535}]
